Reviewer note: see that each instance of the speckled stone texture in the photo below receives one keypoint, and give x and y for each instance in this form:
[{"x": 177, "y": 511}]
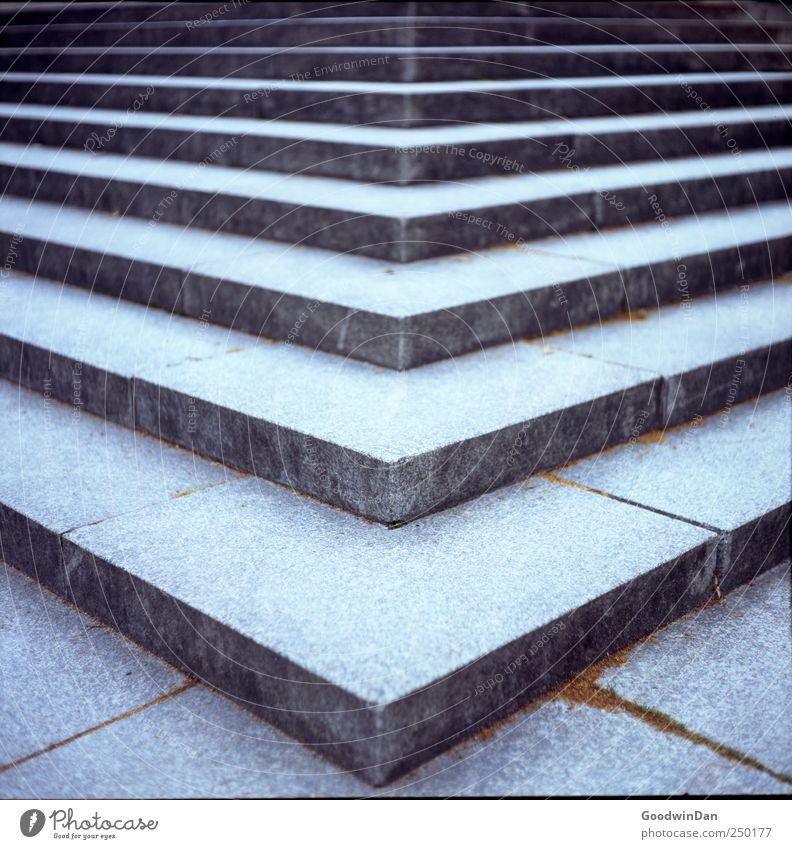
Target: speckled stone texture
[
  {"x": 365, "y": 439},
  {"x": 387, "y": 154},
  {"x": 199, "y": 744},
  {"x": 370, "y": 440},
  {"x": 458, "y": 30},
  {"x": 732, "y": 670},
  {"x": 400, "y": 64},
  {"x": 398, "y": 104},
  {"x": 63, "y": 468},
  {"x": 397, "y": 223},
  {"x": 290, "y": 629},
  {"x": 397, "y": 316},
  {"x": 711, "y": 352},
  {"x": 62, "y": 672},
  {"x": 398, "y": 295},
  {"x": 729, "y": 472}
]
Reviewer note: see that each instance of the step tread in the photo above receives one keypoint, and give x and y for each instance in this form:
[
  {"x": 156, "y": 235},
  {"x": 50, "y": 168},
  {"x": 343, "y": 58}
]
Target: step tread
[
  {"x": 350, "y": 566},
  {"x": 681, "y": 472},
  {"x": 582, "y": 83},
  {"x": 381, "y": 414},
  {"x": 402, "y": 52},
  {"x": 399, "y": 203},
  {"x": 677, "y": 337},
  {"x": 93, "y": 467},
  {"x": 304, "y": 589},
  {"x": 341, "y": 622},
  {"x": 376, "y": 286},
  {"x": 377, "y": 444},
  {"x": 397, "y": 137}
]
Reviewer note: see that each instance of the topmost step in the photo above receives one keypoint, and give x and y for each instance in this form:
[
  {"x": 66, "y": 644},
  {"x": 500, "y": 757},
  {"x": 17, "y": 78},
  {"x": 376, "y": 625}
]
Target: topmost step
[
  {"x": 41, "y": 13},
  {"x": 402, "y": 31}
]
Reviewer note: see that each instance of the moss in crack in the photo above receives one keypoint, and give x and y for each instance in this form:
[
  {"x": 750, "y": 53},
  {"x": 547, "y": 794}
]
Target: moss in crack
[{"x": 584, "y": 689}]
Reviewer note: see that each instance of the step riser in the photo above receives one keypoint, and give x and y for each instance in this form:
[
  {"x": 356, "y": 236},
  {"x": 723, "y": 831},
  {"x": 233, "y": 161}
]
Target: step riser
[
  {"x": 391, "y": 238},
  {"x": 337, "y": 475},
  {"x": 404, "y": 110},
  {"x": 328, "y": 228},
  {"x": 380, "y": 743},
  {"x": 720, "y": 385},
  {"x": 391, "y": 738},
  {"x": 385, "y": 67},
  {"x": 421, "y": 484},
  {"x": 168, "y": 629},
  {"x": 458, "y": 33},
  {"x": 194, "y": 11},
  {"x": 384, "y": 340},
  {"x": 359, "y": 162}
]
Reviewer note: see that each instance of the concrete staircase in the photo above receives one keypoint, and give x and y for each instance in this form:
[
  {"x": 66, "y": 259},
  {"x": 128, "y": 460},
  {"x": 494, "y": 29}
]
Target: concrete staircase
[{"x": 384, "y": 370}]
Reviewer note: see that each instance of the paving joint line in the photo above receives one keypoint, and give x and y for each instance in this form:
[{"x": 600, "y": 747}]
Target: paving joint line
[
  {"x": 163, "y": 697},
  {"x": 584, "y": 690}
]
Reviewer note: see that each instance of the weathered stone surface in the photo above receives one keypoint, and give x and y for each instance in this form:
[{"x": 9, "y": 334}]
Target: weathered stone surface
[
  {"x": 400, "y": 223},
  {"x": 363, "y": 438},
  {"x": 403, "y": 31},
  {"x": 324, "y": 639},
  {"x": 401, "y": 64},
  {"x": 94, "y": 11},
  {"x": 62, "y": 672},
  {"x": 711, "y": 352},
  {"x": 63, "y": 468},
  {"x": 391, "y": 154},
  {"x": 198, "y": 745},
  {"x": 729, "y": 472},
  {"x": 396, "y": 316},
  {"x": 731, "y": 665}
]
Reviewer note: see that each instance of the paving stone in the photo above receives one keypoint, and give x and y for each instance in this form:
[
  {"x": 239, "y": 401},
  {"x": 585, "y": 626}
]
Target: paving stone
[
  {"x": 312, "y": 637},
  {"x": 372, "y": 438},
  {"x": 382, "y": 645},
  {"x": 104, "y": 344},
  {"x": 385, "y": 154},
  {"x": 403, "y": 316},
  {"x": 400, "y": 104},
  {"x": 62, "y": 672},
  {"x": 400, "y": 223},
  {"x": 199, "y": 745},
  {"x": 63, "y": 468},
  {"x": 712, "y": 352},
  {"x": 195, "y": 745},
  {"x": 398, "y": 31},
  {"x": 729, "y": 472},
  {"x": 731, "y": 668},
  {"x": 562, "y": 750},
  {"x": 401, "y": 64}
]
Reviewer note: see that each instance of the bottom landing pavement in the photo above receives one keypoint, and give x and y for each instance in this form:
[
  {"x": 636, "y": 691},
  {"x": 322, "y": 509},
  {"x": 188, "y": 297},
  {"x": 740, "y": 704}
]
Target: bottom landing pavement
[
  {"x": 698, "y": 708},
  {"x": 379, "y": 647}
]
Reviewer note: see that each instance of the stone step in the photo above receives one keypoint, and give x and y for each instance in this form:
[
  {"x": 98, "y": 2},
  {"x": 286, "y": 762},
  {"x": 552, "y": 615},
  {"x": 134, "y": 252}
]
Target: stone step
[
  {"x": 386, "y": 154},
  {"x": 329, "y": 673},
  {"x": 401, "y": 104},
  {"x": 398, "y": 31},
  {"x": 46, "y": 13},
  {"x": 369, "y": 440},
  {"x": 398, "y": 317},
  {"x": 401, "y": 224},
  {"x": 401, "y": 64},
  {"x": 680, "y": 472},
  {"x": 682, "y": 350}
]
